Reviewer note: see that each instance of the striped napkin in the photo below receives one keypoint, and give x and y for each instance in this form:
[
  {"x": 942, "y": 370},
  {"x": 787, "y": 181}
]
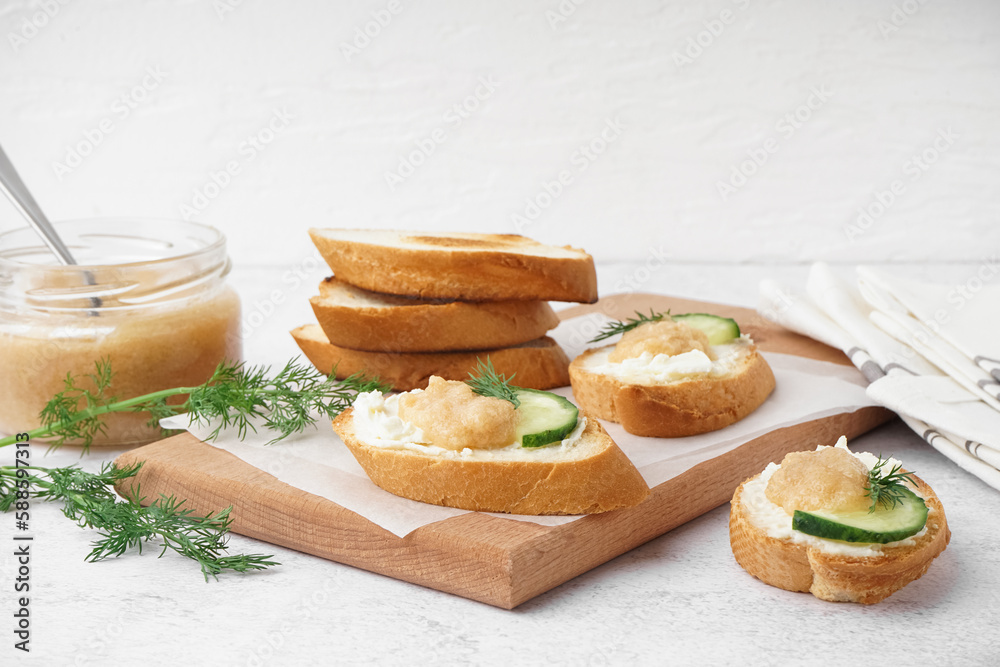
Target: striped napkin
[{"x": 930, "y": 352}]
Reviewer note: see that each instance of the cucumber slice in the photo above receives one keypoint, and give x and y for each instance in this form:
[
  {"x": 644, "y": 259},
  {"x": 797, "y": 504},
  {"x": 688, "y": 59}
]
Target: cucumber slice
[
  {"x": 883, "y": 525},
  {"x": 545, "y": 417},
  {"x": 718, "y": 329}
]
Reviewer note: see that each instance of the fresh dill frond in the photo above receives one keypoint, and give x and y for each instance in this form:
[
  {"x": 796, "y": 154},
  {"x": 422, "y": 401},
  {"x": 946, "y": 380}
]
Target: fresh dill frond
[
  {"x": 486, "y": 382},
  {"x": 89, "y": 500},
  {"x": 614, "y": 328},
  {"x": 886, "y": 488},
  {"x": 61, "y": 414},
  {"x": 202, "y": 539},
  {"x": 287, "y": 401},
  {"x": 85, "y": 495}
]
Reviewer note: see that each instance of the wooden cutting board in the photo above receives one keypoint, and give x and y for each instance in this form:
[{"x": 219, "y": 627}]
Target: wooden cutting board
[{"x": 502, "y": 562}]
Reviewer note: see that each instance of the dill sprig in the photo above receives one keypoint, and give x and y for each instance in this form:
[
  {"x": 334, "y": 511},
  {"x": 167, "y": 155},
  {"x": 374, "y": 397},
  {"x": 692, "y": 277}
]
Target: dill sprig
[
  {"x": 886, "y": 488},
  {"x": 287, "y": 401},
  {"x": 486, "y": 382},
  {"x": 614, "y": 328},
  {"x": 89, "y": 500}
]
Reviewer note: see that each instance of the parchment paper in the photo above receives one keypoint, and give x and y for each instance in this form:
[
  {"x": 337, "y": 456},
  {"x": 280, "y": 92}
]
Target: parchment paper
[{"x": 317, "y": 461}]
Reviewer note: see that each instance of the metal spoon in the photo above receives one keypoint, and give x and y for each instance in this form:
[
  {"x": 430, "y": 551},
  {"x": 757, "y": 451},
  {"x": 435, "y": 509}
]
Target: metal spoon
[{"x": 20, "y": 196}]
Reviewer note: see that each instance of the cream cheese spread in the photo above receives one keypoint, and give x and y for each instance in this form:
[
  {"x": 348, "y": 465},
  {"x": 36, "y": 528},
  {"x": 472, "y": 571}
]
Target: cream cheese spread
[
  {"x": 377, "y": 423},
  {"x": 775, "y": 522},
  {"x": 662, "y": 368}
]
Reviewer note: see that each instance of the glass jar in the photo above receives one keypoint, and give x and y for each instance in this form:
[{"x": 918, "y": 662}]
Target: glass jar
[{"x": 148, "y": 295}]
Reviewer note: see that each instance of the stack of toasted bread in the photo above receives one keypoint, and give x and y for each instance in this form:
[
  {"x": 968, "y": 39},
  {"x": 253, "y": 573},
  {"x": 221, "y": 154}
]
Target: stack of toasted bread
[{"x": 405, "y": 306}]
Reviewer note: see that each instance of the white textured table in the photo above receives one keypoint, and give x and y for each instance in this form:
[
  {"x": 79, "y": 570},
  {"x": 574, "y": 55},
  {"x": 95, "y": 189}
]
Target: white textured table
[
  {"x": 680, "y": 598},
  {"x": 692, "y": 147}
]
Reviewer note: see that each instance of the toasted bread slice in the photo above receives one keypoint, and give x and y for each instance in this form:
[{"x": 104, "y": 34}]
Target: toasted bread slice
[
  {"x": 361, "y": 320},
  {"x": 538, "y": 364},
  {"x": 592, "y": 475},
  {"x": 465, "y": 266},
  {"x": 697, "y": 404},
  {"x": 831, "y": 576}
]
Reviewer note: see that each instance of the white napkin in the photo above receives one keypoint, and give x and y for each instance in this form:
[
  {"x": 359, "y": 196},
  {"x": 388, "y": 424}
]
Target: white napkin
[
  {"x": 942, "y": 326},
  {"x": 317, "y": 461},
  {"x": 914, "y": 351}
]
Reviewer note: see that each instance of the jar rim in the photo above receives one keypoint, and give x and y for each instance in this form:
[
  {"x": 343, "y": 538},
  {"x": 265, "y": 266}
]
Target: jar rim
[
  {"x": 216, "y": 241},
  {"x": 138, "y": 263}
]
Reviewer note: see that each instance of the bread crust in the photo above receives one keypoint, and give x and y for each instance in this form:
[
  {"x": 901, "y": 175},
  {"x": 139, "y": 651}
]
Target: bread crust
[
  {"x": 676, "y": 409},
  {"x": 602, "y": 482},
  {"x": 837, "y": 578},
  {"x": 419, "y": 325},
  {"x": 472, "y": 267},
  {"x": 538, "y": 364}
]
